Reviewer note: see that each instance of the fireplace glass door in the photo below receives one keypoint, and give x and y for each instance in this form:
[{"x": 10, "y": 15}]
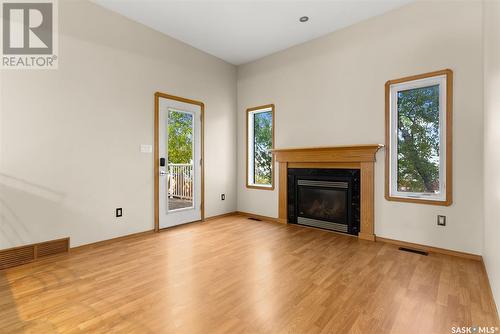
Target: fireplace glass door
[
  {"x": 324, "y": 198},
  {"x": 323, "y": 203},
  {"x": 327, "y": 204}
]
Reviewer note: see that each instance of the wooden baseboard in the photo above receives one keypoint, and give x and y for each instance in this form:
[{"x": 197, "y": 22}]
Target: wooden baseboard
[
  {"x": 233, "y": 213},
  {"x": 107, "y": 241},
  {"x": 17, "y": 256},
  {"x": 138, "y": 234},
  {"x": 430, "y": 249},
  {"x": 251, "y": 215},
  {"x": 372, "y": 237}
]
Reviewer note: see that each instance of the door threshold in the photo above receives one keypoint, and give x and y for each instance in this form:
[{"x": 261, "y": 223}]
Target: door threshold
[{"x": 180, "y": 225}]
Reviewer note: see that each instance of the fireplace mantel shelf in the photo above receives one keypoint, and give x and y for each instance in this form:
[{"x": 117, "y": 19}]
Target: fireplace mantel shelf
[
  {"x": 360, "y": 157},
  {"x": 354, "y": 153}
]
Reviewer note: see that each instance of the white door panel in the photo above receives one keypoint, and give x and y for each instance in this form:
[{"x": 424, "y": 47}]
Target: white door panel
[{"x": 179, "y": 183}]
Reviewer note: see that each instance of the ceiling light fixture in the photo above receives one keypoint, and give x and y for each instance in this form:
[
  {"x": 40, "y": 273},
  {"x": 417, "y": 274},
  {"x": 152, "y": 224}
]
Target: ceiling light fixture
[{"x": 304, "y": 19}]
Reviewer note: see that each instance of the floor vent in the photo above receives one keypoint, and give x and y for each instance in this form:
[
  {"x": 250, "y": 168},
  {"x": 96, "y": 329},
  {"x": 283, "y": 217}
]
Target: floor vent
[
  {"x": 416, "y": 251},
  {"x": 16, "y": 256},
  {"x": 25, "y": 254},
  {"x": 256, "y": 219},
  {"x": 52, "y": 247}
]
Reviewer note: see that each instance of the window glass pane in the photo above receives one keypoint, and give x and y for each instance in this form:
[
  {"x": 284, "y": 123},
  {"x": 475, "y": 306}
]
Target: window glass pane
[
  {"x": 263, "y": 142},
  {"x": 418, "y": 138}
]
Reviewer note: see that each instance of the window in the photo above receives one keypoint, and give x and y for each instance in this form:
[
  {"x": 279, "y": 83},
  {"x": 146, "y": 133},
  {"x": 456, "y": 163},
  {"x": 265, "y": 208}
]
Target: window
[
  {"x": 260, "y": 141},
  {"x": 418, "y": 135}
]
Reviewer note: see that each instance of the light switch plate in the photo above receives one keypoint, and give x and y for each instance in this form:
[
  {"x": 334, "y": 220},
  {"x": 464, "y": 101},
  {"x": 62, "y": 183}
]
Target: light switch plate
[{"x": 145, "y": 148}]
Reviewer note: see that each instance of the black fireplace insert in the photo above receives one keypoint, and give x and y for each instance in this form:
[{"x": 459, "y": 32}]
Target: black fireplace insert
[{"x": 325, "y": 198}]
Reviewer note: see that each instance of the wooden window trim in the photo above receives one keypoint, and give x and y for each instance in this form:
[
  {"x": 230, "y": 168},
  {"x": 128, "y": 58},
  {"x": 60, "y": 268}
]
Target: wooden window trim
[
  {"x": 449, "y": 137},
  {"x": 253, "y": 186}
]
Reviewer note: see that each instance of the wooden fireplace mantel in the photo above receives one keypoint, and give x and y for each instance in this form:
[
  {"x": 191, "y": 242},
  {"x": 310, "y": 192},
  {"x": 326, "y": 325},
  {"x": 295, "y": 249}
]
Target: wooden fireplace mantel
[{"x": 360, "y": 157}]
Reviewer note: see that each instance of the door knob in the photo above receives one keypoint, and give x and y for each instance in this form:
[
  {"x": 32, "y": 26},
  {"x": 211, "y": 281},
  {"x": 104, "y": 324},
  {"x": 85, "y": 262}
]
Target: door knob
[{"x": 163, "y": 173}]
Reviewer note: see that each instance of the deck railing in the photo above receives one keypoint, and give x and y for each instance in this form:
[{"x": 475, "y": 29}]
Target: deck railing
[{"x": 180, "y": 181}]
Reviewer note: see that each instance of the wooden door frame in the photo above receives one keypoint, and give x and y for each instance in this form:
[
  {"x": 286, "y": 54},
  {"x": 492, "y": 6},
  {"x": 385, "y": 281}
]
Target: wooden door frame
[{"x": 156, "y": 159}]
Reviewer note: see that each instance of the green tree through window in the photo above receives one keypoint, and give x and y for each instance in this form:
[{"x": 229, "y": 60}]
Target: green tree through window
[
  {"x": 180, "y": 137},
  {"x": 418, "y": 140},
  {"x": 263, "y": 143}
]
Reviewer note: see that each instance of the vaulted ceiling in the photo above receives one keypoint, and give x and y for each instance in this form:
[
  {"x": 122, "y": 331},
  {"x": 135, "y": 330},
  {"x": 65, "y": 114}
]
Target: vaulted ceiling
[{"x": 241, "y": 31}]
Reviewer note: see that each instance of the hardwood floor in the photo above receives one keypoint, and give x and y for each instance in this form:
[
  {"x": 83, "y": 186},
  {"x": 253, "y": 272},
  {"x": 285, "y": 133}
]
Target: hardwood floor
[{"x": 234, "y": 275}]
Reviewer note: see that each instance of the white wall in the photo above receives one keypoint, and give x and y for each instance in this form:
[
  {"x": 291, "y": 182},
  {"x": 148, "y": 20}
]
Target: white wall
[
  {"x": 330, "y": 91},
  {"x": 70, "y": 138},
  {"x": 491, "y": 253}
]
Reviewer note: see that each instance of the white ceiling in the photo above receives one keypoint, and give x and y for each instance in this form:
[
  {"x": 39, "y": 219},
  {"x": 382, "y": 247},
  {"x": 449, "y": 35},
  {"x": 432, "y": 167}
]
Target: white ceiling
[{"x": 241, "y": 31}]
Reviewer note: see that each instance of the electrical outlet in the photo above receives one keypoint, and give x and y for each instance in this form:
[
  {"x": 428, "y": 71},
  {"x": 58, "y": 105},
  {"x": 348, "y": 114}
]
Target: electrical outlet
[
  {"x": 118, "y": 212},
  {"x": 223, "y": 197},
  {"x": 441, "y": 220}
]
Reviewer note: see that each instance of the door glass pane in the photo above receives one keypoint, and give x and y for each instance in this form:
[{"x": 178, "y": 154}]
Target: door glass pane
[
  {"x": 418, "y": 140},
  {"x": 263, "y": 143},
  {"x": 180, "y": 160}
]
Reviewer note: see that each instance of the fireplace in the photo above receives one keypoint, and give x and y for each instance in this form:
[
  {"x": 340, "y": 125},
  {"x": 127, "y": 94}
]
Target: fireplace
[
  {"x": 358, "y": 157},
  {"x": 325, "y": 198}
]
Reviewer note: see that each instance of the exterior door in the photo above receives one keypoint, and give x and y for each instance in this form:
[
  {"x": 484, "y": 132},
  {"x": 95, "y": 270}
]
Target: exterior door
[{"x": 179, "y": 152}]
